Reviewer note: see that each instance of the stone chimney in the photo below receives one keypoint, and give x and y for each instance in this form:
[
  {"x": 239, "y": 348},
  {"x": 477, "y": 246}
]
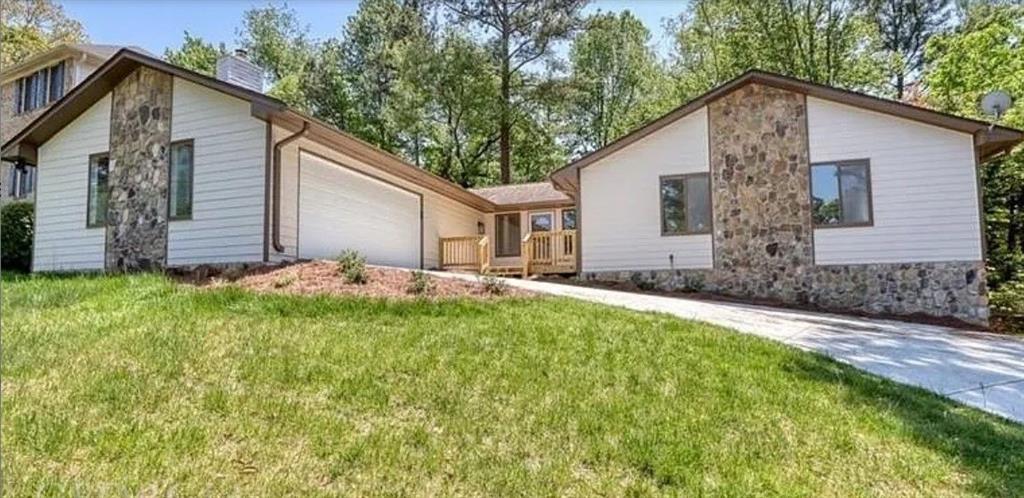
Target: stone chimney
[{"x": 237, "y": 69}]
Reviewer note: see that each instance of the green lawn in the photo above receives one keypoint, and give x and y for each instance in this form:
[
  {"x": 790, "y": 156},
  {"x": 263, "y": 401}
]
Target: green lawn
[{"x": 136, "y": 385}]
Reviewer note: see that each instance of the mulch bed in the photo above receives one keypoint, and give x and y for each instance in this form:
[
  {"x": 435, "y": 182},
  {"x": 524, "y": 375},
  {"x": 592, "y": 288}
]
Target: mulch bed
[
  {"x": 322, "y": 277},
  {"x": 997, "y": 324}
]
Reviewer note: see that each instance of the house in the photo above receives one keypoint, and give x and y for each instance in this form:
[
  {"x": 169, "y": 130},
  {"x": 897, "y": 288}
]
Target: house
[
  {"x": 766, "y": 187},
  {"x": 29, "y": 88},
  {"x": 772, "y": 188}
]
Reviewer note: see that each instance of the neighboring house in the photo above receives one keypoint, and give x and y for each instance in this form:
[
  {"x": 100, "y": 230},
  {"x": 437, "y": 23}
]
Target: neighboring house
[
  {"x": 29, "y": 88},
  {"x": 147, "y": 165}
]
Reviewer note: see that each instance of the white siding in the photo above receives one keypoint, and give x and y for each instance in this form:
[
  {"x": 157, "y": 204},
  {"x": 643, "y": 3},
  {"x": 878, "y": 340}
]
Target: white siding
[
  {"x": 923, "y": 184},
  {"x": 442, "y": 217},
  {"x": 342, "y": 209},
  {"x": 62, "y": 242},
  {"x": 620, "y": 216},
  {"x": 228, "y": 182}
]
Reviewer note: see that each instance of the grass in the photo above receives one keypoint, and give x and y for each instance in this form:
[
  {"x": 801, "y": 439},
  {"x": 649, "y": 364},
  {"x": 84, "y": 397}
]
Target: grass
[{"x": 133, "y": 385}]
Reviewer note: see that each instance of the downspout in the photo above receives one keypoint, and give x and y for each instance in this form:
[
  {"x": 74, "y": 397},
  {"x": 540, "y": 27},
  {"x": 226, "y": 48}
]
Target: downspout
[{"x": 276, "y": 229}]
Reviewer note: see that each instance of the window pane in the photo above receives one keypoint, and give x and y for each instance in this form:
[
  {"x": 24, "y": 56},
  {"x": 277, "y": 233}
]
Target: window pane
[
  {"x": 541, "y": 222},
  {"x": 506, "y": 235},
  {"x": 57, "y": 82},
  {"x": 98, "y": 171},
  {"x": 568, "y": 219},
  {"x": 181, "y": 181},
  {"x": 673, "y": 210},
  {"x": 825, "y": 194},
  {"x": 853, "y": 181},
  {"x": 698, "y": 204}
]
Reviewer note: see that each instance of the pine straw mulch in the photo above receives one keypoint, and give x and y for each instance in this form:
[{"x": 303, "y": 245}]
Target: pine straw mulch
[{"x": 322, "y": 277}]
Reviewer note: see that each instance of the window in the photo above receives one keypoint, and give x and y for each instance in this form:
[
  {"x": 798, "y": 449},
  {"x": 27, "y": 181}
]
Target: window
[
  {"x": 506, "y": 235},
  {"x": 39, "y": 88},
  {"x": 542, "y": 222},
  {"x": 685, "y": 204},
  {"x": 180, "y": 198},
  {"x": 99, "y": 170},
  {"x": 841, "y": 194},
  {"x": 568, "y": 219},
  {"x": 21, "y": 182}
]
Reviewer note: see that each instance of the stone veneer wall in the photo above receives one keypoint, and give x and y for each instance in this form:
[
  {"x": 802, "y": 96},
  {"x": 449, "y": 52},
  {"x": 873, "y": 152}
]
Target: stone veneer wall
[
  {"x": 140, "y": 137},
  {"x": 760, "y": 186},
  {"x": 947, "y": 289},
  {"x": 764, "y": 235}
]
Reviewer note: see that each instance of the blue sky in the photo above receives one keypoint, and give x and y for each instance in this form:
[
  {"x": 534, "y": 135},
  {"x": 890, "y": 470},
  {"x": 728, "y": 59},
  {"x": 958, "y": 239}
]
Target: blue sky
[{"x": 157, "y": 24}]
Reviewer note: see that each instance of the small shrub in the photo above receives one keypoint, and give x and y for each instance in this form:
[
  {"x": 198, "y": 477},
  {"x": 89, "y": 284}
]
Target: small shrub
[
  {"x": 419, "y": 283},
  {"x": 16, "y": 240},
  {"x": 1008, "y": 299},
  {"x": 352, "y": 266},
  {"x": 285, "y": 281},
  {"x": 642, "y": 283},
  {"x": 494, "y": 285}
]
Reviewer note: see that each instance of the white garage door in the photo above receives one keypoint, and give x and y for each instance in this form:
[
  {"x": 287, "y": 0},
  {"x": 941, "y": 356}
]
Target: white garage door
[{"x": 340, "y": 209}]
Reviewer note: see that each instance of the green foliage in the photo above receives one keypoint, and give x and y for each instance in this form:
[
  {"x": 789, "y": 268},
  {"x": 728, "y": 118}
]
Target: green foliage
[
  {"x": 33, "y": 26},
  {"x": 352, "y": 266},
  {"x": 382, "y": 50},
  {"x": 494, "y": 285},
  {"x": 985, "y": 53},
  {"x": 616, "y": 79},
  {"x": 1008, "y": 299},
  {"x": 904, "y": 28},
  {"x": 420, "y": 283},
  {"x": 277, "y": 42},
  {"x": 16, "y": 231},
  {"x": 196, "y": 54},
  {"x": 819, "y": 40}
]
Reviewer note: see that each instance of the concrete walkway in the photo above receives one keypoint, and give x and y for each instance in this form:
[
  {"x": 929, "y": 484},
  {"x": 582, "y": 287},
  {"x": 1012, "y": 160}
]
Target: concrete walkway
[{"x": 978, "y": 369}]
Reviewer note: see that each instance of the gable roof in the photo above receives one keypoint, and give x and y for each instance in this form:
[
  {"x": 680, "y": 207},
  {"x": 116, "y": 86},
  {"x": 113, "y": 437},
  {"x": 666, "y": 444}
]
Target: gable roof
[
  {"x": 989, "y": 140},
  {"x": 524, "y": 195},
  {"x": 24, "y": 145}
]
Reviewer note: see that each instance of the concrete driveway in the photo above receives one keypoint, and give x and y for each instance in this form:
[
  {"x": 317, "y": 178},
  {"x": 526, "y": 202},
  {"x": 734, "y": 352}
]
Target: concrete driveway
[{"x": 982, "y": 370}]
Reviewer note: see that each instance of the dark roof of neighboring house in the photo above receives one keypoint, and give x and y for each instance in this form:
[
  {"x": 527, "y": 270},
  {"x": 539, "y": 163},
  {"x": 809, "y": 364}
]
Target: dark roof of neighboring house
[
  {"x": 989, "y": 140},
  {"x": 524, "y": 195},
  {"x": 24, "y": 145}
]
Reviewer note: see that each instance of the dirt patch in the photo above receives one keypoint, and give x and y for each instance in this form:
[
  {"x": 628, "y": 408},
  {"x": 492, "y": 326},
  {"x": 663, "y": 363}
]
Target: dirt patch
[
  {"x": 706, "y": 296},
  {"x": 322, "y": 277}
]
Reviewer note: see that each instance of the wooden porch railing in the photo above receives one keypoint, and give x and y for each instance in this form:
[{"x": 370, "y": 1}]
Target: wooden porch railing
[
  {"x": 465, "y": 253},
  {"x": 540, "y": 253},
  {"x": 549, "y": 252}
]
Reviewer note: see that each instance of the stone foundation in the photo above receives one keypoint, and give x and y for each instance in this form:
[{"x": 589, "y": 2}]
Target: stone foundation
[
  {"x": 140, "y": 138},
  {"x": 947, "y": 289}
]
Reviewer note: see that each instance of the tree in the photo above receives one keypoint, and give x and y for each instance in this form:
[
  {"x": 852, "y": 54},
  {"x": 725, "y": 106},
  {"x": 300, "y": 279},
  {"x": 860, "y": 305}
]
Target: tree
[
  {"x": 196, "y": 54},
  {"x": 381, "y": 50},
  {"x": 985, "y": 53},
  {"x": 29, "y": 27},
  {"x": 522, "y": 32},
  {"x": 277, "y": 42},
  {"x": 463, "y": 132},
  {"x": 905, "y": 27},
  {"x": 825, "y": 41},
  {"x": 616, "y": 80}
]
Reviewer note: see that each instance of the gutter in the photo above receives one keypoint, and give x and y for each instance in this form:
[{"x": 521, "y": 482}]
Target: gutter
[{"x": 276, "y": 240}]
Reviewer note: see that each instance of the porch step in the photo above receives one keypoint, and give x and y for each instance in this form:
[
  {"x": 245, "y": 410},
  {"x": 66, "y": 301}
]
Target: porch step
[{"x": 505, "y": 271}]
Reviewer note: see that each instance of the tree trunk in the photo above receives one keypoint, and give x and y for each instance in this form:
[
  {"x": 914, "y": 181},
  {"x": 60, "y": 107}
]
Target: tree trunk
[{"x": 504, "y": 127}]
